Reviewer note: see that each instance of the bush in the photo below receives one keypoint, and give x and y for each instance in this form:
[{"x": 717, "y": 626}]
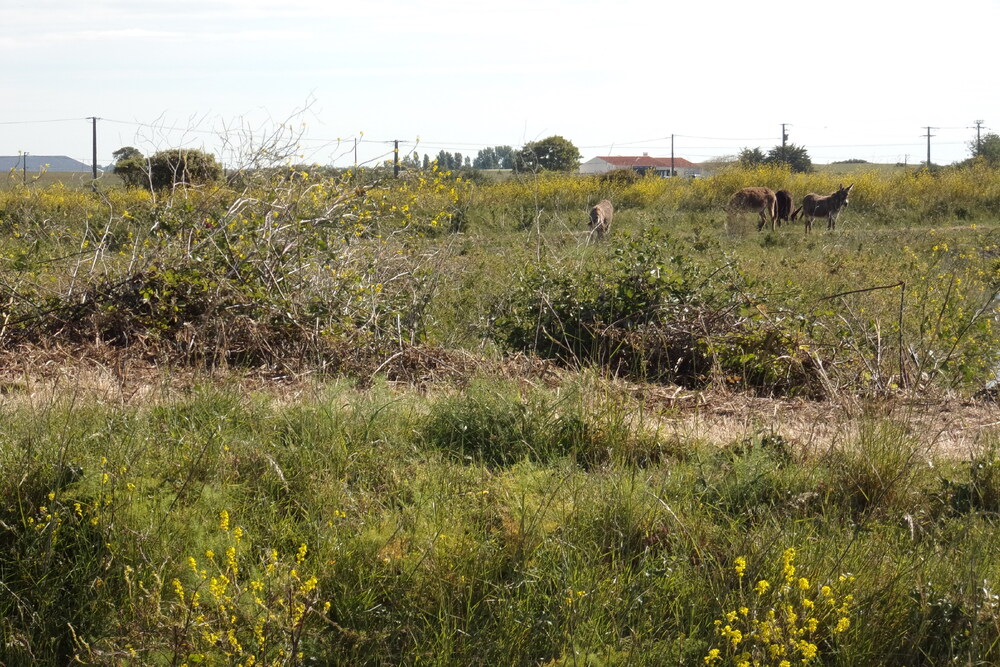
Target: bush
[
  {"x": 171, "y": 167},
  {"x": 652, "y": 317}
]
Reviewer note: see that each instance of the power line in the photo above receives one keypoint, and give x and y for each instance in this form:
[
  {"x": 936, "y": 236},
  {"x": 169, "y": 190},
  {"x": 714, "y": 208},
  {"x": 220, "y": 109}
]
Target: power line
[{"x": 33, "y": 122}]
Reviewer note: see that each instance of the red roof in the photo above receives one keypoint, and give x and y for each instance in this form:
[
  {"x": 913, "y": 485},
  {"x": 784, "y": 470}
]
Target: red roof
[{"x": 631, "y": 162}]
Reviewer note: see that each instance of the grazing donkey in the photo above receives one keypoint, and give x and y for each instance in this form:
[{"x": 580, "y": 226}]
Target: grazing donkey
[
  {"x": 757, "y": 199},
  {"x": 600, "y": 217},
  {"x": 783, "y": 208},
  {"x": 817, "y": 206}
]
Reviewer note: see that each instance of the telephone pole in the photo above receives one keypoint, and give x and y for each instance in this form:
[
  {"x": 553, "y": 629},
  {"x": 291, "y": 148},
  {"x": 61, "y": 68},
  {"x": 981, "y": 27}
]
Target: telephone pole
[
  {"x": 929, "y": 135},
  {"x": 979, "y": 125},
  {"x": 673, "y": 171},
  {"x": 395, "y": 158},
  {"x": 93, "y": 167},
  {"x": 784, "y": 136}
]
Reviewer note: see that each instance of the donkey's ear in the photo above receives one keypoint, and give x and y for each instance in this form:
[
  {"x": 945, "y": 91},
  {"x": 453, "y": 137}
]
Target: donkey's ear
[{"x": 850, "y": 186}]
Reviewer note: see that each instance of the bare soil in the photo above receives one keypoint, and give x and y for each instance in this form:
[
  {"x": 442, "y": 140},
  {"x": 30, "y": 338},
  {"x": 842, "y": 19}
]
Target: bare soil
[{"x": 944, "y": 424}]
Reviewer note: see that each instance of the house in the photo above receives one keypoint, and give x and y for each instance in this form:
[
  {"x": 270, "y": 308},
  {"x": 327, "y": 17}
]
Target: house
[
  {"x": 641, "y": 163},
  {"x": 36, "y": 163}
]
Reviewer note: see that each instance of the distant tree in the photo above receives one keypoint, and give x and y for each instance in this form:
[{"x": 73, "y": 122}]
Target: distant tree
[
  {"x": 796, "y": 157},
  {"x": 427, "y": 161},
  {"x": 411, "y": 161},
  {"x": 552, "y": 154},
  {"x": 177, "y": 165},
  {"x": 126, "y": 152},
  {"x": 445, "y": 160},
  {"x": 505, "y": 154},
  {"x": 131, "y": 167},
  {"x": 494, "y": 157},
  {"x": 751, "y": 157},
  {"x": 988, "y": 149},
  {"x": 468, "y": 162},
  {"x": 486, "y": 158},
  {"x": 457, "y": 161}
]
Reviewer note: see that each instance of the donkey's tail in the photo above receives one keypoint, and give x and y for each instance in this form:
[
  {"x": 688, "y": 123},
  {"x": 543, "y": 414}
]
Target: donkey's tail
[{"x": 795, "y": 213}]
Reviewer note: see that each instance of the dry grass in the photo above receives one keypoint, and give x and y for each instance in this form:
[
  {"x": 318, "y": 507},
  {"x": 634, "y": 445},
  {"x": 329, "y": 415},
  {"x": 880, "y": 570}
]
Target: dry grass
[{"x": 949, "y": 425}]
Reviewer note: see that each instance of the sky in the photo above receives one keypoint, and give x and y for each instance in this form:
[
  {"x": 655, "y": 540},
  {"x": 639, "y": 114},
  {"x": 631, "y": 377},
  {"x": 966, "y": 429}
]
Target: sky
[{"x": 316, "y": 80}]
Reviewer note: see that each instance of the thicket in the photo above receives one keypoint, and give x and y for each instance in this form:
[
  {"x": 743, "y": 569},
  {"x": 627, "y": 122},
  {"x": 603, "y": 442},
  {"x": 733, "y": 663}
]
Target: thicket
[{"x": 304, "y": 269}]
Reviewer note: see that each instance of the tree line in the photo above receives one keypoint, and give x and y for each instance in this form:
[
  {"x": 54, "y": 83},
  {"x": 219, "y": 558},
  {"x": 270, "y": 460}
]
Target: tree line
[{"x": 555, "y": 153}]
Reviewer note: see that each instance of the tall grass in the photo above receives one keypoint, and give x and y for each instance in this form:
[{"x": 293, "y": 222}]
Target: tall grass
[{"x": 374, "y": 527}]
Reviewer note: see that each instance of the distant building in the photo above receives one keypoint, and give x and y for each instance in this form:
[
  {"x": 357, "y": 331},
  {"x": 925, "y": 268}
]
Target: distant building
[
  {"x": 36, "y": 163},
  {"x": 641, "y": 163}
]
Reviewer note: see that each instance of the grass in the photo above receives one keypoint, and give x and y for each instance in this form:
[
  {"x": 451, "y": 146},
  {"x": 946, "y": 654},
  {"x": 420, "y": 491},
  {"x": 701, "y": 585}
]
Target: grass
[
  {"x": 491, "y": 447},
  {"x": 376, "y": 526}
]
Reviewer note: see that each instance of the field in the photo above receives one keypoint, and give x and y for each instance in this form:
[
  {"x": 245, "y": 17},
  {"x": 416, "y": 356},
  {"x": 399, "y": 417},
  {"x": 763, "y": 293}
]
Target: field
[{"x": 347, "y": 419}]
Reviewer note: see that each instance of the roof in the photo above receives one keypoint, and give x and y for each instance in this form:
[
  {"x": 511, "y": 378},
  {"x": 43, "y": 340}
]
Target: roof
[{"x": 632, "y": 162}]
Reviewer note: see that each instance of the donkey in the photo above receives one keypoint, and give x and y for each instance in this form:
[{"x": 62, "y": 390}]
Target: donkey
[
  {"x": 757, "y": 199},
  {"x": 783, "y": 208},
  {"x": 817, "y": 206},
  {"x": 600, "y": 218}
]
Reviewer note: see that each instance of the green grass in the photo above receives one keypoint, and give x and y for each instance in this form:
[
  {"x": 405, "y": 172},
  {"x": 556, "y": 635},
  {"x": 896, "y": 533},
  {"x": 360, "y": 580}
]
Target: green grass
[
  {"x": 372, "y": 527},
  {"x": 402, "y": 509}
]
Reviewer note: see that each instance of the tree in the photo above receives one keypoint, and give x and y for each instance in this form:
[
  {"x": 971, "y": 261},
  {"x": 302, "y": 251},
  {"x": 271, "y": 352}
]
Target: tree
[
  {"x": 130, "y": 166},
  {"x": 445, "y": 160},
  {"x": 552, "y": 154},
  {"x": 796, "y": 157},
  {"x": 178, "y": 165},
  {"x": 494, "y": 157},
  {"x": 751, "y": 157},
  {"x": 486, "y": 158},
  {"x": 987, "y": 149},
  {"x": 506, "y": 156}
]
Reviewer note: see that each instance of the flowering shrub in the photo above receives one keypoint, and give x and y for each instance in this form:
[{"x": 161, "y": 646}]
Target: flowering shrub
[
  {"x": 247, "y": 611},
  {"x": 793, "y": 620}
]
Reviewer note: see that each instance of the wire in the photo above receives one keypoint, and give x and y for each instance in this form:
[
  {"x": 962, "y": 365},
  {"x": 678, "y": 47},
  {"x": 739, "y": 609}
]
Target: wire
[{"x": 32, "y": 122}]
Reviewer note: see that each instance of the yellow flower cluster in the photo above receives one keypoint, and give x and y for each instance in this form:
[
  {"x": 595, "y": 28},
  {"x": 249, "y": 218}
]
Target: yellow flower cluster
[
  {"x": 246, "y": 619},
  {"x": 782, "y": 623}
]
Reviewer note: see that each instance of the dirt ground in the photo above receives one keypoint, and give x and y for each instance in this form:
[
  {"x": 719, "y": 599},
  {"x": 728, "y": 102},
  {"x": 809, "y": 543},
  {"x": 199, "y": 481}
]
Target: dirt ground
[{"x": 943, "y": 424}]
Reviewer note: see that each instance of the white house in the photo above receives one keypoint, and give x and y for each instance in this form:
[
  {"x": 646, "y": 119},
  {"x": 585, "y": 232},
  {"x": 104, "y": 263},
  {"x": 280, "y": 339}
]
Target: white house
[{"x": 641, "y": 163}]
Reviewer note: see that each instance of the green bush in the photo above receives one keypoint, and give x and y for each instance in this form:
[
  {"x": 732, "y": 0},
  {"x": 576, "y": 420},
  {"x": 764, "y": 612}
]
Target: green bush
[{"x": 650, "y": 316}]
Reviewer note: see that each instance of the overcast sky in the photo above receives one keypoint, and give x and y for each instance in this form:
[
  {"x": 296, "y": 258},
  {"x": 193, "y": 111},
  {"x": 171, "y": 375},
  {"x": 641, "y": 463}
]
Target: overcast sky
[{"x": 851, "y": 79}]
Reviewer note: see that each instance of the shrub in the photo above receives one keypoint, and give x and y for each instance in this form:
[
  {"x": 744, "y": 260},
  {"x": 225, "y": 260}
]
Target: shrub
[
  {"x": 177, "y": 165},
  {"x": 653, "y": 317}
]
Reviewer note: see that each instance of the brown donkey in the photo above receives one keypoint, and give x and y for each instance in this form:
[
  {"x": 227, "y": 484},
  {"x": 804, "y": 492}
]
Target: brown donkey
[
  {"x": 817, "y": 206},
  {"x": 600, "y": 218},
  {"x": 783, "y": 206},
  {"x": 757, "y": 199}
]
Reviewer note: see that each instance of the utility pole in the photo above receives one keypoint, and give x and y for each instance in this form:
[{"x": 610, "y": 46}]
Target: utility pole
[
  {"x": 784, "y": 137},
  {"x": 673, "y": 171},
  {"x": 979, "y": 148},
  {"x": 94, "y": 161},
  {"x": 929, "y": 135},
  {"x": 395, "y": 158},
  {"x": 24, "y": 168}
]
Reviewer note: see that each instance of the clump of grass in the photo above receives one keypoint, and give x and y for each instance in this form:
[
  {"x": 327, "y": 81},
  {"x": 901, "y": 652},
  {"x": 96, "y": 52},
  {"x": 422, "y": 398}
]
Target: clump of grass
[{"x": 880, "y": 469}]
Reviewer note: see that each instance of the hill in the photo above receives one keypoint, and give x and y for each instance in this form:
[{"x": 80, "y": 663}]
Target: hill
[{"x": 42, "y": 163}]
